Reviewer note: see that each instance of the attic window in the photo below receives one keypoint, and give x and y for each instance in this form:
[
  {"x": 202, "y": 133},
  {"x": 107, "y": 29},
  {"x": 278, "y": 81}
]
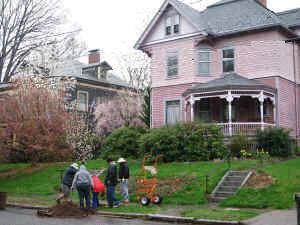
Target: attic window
[
  {"x": 173, "y": 24},
  {"x": 169, "y": 25},
  {"x": 176, "y": 24}
]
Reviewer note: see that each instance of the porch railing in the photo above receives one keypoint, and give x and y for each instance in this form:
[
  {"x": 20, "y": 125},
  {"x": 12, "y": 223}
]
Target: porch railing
[{"x": 248, "y": 129}]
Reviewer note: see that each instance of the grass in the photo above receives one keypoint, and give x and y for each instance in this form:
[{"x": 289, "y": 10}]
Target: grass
[
  {"x": 220, "y": 214},
  {"x": 279, "y": 195},
  {"x": 133, "y": 208},
  {"x": 45, "y": 184},
  {"x": 5, "y": 167}
]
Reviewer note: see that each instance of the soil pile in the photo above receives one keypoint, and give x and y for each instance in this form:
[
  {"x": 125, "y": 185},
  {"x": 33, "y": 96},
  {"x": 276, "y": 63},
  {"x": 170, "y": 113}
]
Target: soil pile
[
  {"x": 260, "y": 180},
  {"x": 65, "y": 210}
]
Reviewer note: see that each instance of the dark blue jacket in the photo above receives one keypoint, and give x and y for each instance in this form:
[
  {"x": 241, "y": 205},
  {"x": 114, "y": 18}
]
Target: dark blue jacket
[
  {"x": 69, "y": 176},
  {"x": 111, "y": 176}
]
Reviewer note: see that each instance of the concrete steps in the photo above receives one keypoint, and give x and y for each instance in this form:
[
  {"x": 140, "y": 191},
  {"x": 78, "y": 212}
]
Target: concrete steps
[{"x": 229, "y": 184}]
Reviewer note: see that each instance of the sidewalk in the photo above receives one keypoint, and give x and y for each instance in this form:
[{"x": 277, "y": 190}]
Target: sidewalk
[{"x": 278, "y": 217}]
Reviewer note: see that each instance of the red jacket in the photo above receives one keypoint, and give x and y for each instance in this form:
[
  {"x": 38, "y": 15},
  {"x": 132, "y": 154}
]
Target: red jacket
[{"x": 98, "y": 185}]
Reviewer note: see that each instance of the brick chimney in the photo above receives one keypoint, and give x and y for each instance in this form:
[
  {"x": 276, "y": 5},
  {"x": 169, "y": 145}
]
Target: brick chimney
[
  {"x": 94, "y": 56},
  {"x": 263, "y": 2}
]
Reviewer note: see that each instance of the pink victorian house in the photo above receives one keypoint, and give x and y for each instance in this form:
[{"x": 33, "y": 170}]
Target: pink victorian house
[{"x": 236, "y": 64}]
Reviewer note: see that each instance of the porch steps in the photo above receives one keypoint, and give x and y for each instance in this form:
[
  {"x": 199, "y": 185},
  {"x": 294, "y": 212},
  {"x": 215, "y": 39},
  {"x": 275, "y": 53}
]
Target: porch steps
[{"x": 229, "y": 184}]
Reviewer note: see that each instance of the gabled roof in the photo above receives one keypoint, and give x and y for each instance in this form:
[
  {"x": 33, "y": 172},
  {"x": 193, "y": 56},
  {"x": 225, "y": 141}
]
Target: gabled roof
[
  {"x": 73, "y": 68},
  {"x": 231, "y": 81},
  {"x": 225, "y": 17},
  {"x": 190, "y": 14},
  {"x": 291, "y": 17}
]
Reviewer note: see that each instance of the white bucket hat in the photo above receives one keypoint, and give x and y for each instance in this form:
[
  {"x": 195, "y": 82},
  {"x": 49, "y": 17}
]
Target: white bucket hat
[
  {"x": 121, "y": 160},
  {"x": 75, "y": 166}
]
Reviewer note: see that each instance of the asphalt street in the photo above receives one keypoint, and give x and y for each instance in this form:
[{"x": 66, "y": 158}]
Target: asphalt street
[{"x": 12, "y": 216}]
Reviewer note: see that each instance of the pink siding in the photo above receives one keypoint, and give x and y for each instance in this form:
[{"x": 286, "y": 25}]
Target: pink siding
[
  {"x": 262, "y": 56},
  {"x": 286, "y": 105},
  {"x": 257, "y": 55},
  {"x": 162, "y": 94}
]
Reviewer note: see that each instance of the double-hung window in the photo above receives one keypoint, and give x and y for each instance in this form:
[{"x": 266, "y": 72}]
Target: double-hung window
[
  {"x": 82, "y": 100},
  {"x": 228, "y": 60},
  {"x": 172, "y": 24},
  {"x": 169, "y": 25},
  {"x": 172, "y": 64},
  {"x": 204, "y": 57},
  {"x": 172, "y": 111},
  {"x": 176, "y": 24}
]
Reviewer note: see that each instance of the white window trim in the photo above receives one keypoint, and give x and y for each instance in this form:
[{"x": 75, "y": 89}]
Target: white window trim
[
  {"x": 172, "y": 15},
  {"x": 228, "y": 59},
  {"x": 204, "y": 49},
  {"x": 87, "y": 99},
  {"x": 169, "y": 53},
  {"x": 165, "y": 108}
]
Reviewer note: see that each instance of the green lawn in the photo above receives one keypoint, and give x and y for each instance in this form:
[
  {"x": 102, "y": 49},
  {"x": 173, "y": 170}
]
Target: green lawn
[
  {"x": 4, "y": 167},
  {"x": 279, "y": 195},
  {"x": 220, "y": 214},
  {"x": 45, "y": 183}
]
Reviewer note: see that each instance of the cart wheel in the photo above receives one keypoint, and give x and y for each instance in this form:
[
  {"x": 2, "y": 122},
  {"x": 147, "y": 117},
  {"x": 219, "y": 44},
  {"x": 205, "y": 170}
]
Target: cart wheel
[
  {"x": 157, "y": 199},
  {"x": 144, "y": 200}
]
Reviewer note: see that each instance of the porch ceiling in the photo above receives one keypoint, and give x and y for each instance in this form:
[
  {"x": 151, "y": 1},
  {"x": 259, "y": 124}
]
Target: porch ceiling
[{"x": 231, "y": 81}]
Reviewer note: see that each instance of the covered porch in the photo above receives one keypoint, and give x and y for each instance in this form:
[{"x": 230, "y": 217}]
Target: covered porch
[{"x": 239, "y": 105}]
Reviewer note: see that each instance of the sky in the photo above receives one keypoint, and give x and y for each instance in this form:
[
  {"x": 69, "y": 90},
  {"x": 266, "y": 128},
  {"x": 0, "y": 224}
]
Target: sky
[{"x": 115, "y": 25}]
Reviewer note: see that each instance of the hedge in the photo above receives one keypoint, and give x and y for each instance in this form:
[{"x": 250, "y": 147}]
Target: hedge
[
  {"x": 276, "y": 141},
  {"x": 123, "y": 142}
]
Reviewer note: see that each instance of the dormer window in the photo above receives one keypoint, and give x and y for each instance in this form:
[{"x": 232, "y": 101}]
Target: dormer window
[
  {"x": 176, "y": 24},
  {"x": 103, "y": 74},
  {"x": 172, "y": 24},
  {"x": 169, "y": 25}
]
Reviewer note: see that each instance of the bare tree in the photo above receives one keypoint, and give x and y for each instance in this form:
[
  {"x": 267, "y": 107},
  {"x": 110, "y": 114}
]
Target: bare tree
[
  {"x": 26, "y": 25},
  {"x": 135, "y": 68}
]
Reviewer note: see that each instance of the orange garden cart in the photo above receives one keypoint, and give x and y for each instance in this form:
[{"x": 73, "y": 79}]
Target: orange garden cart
[{"x": 147, "y": 187}]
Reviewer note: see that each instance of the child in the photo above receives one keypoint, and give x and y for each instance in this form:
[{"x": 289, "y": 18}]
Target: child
[{"x": 98, "y": 187}]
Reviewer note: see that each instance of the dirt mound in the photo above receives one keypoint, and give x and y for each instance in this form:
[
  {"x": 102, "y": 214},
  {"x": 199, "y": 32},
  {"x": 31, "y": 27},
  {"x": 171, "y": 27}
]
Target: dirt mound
[
  {"x": 260, "y": 180},
  {"x": 65, "y": 210}
]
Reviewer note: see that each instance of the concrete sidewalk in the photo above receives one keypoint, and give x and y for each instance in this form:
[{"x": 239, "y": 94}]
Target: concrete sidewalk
[{"x": 278, "y": 217}]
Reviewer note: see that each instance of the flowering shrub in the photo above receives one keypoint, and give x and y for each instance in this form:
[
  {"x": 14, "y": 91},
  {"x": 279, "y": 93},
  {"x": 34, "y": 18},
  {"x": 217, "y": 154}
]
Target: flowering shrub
[
  {"x": 35, "y": 123},
  {"x": 42, "y": 123},
  {"x": 237, "y": 143},
  {"x": 123, "y": 110},
  {"x": 262, "y": 156},
  {"x": 245, "y": 154}
]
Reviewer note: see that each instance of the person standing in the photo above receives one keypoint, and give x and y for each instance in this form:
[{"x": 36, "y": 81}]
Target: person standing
[
  {"x": 83, "y": 183},
  {"x": 67, "y": 182},
  {"x": 98, "y": 188},
  {"x": 123, "y": 177},
  {"x": 111, "y": 181}
]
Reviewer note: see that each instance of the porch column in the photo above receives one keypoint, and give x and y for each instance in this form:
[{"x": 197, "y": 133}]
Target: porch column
[
  {"x": 261, "y": 101},
  {"x": 192, "y": 103},
  {"x": 274, "y": 112},
  {"x": 229, "y": 99}
]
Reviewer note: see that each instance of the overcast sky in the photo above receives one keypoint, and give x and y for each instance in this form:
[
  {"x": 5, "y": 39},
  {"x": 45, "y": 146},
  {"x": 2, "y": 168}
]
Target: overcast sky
[{"x": 115, "y": 25}]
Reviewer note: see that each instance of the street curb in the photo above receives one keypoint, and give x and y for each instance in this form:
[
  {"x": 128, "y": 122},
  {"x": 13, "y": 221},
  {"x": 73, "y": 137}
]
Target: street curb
[
  {"x": 150, "y": 217},
  {"x": 37, "y": 207}
]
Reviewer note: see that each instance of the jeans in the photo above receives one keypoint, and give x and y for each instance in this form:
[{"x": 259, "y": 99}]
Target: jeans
[
  {"x": 95, "y": 200},
  {"x": 110, "y": 195},
  {"x": 124, "y": 189},
  {"x": 84, "y": 194}
]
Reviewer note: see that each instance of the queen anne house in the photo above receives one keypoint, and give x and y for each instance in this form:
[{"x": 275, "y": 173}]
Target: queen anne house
[{"x": 236, "y": 64}]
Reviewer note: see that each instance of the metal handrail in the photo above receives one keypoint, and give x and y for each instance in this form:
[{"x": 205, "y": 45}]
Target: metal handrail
[{"x": 227, "y": 159}]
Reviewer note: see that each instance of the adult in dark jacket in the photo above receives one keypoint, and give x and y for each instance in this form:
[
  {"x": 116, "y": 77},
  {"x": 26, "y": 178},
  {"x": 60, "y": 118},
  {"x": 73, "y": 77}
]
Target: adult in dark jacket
[
  {"x": 123, "y": 177},
  {"x": 111, "y": 181},
  {"x": 67, "y": 182}
]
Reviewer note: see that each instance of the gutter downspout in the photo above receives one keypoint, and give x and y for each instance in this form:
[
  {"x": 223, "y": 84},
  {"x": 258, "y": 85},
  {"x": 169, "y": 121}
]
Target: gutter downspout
[{"x": 295, "y": 90}]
